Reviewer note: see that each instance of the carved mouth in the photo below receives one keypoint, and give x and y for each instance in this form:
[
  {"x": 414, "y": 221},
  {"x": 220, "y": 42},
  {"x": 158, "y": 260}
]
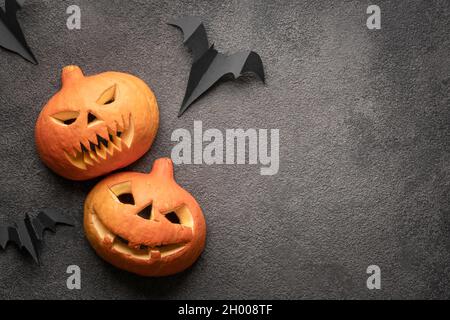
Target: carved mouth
[
  {"x": 108, "y": 143},
  {"x": 121, "y": 245}
]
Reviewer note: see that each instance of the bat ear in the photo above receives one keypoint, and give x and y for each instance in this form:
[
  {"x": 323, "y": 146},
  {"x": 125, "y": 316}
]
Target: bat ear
[
  {"x": 71, "y": 74},
  {"x": 172, "y": 22},
  {"x": 176, "y": 22},
  {"x": 254, "y": 64}
]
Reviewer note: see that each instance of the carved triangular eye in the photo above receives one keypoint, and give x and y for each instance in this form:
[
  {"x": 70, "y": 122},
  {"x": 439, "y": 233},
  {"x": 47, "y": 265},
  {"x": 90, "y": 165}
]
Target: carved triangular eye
[
  {"x": 123, "y": 193},
  {"x": 108, "y": 97},
  {"x": 91, "y": 117},
  {"x": 126, "y": 198},
  {"x": 173, "y": 217},
  {"x": 66, "y": 117}
]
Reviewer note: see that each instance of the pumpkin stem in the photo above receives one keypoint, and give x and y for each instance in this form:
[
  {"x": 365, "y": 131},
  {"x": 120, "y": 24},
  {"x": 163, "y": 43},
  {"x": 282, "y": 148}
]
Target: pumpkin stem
[
  {"x": 71, "y": 74},
  {"x": 163, "y": 167}
]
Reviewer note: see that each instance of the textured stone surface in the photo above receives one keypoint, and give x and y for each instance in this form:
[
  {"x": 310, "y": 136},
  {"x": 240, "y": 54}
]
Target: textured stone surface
[{"x": 364, "y": 127}]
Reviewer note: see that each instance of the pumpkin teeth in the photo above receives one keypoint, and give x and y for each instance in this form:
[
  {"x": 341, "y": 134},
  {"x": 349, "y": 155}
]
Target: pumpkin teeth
[
  {"x": 77, "y": 161},
  {"x": 110, "y": 149},
  {"x": 108, "y": 241},
  {"x": 112, "y": 127},
  {"x": 93, "y": 156},
  {"x": 73, "y": 152},
  {"x": 125, "y": 121},
  {"x": 128, "y": 134},
  {"x": 101, "y": 152},
  {"x": 111, "y": 133},
  {"x": 155, "y": 254},
  {"x": 92, "y": 147},
  {"x": 119, "y": 127},
  {"x": 103, "y": 134},
  {"x": 107, "y": 236},
  {"x": 93, "y": 140},
  {"x": 83, "y": 148},
  {"x": 137, "y": 250},
  {"x": 117, "y": 143},
  {"x": 101, "y": 145},
  {"x": 76, "y": 149},
  {"x": 124, "y": 247},
  {"x": 87, "y": 158},
  {"x": 102, "y": 141},
  {"x": 169, "y": 249}
]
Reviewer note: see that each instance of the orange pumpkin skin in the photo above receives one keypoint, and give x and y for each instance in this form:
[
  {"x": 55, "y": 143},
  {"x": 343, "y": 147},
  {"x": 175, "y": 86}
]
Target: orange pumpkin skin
[
  {"x": 96, "y": 124},
  {"x": 148, "y": 246}
]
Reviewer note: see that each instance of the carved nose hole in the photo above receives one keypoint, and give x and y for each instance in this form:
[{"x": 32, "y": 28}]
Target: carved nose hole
[
  {"x": 91, "y": 118},
  {"x": 146, "y": 213}
]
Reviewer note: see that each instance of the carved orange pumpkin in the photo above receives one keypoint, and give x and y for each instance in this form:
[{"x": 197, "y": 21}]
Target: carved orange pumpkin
[
  {"x": 96, "y": 124},
  {"x": 145, "y": 223}
]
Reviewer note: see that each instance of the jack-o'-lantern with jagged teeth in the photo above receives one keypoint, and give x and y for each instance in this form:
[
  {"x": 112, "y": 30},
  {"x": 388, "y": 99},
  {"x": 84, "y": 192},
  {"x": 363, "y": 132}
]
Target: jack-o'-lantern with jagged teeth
[
  {"x": 96, "y": 124},
  {"x": 145, "y": 223}
]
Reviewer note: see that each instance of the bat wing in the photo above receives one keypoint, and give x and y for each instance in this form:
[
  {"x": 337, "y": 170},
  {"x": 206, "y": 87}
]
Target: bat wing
[
  {"x": 27, "y": 238},
  {"x": 29, "y": 232},
  {"x": 8, "y": 234},
  {"x": 11, "y": 35},
  {"x": 221, "y": 66},
  {"x": 194, "y": 32},
  {"x": 21, "y": 235},
  {"x": 47, "y": 220},
  {"x": 252, "y": 64}
]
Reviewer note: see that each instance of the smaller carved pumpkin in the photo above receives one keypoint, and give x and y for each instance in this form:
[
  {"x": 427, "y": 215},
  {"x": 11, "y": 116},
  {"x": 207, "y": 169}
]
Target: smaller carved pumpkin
[
  {"x": 96, "y": 124},
  {"x": 145, "y": 223}
]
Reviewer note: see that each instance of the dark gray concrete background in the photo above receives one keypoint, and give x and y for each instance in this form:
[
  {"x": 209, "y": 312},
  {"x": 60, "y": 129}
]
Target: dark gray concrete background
[{"x": 364, "y": 151}]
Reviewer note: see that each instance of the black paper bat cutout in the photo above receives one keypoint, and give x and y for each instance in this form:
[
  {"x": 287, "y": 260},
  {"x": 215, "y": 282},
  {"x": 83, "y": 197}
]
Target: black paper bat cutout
[
  {"x": 28, "y": 233},
  {"x": 209, "y": 65},
  {"x": 11, "y": 35}
]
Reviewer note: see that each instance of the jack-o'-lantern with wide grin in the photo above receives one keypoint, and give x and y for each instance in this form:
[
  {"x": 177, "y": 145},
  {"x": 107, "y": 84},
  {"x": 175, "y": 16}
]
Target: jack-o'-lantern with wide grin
[
  {"x": 96, "y": 124},
  {"x": 145, "y": 223}
]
